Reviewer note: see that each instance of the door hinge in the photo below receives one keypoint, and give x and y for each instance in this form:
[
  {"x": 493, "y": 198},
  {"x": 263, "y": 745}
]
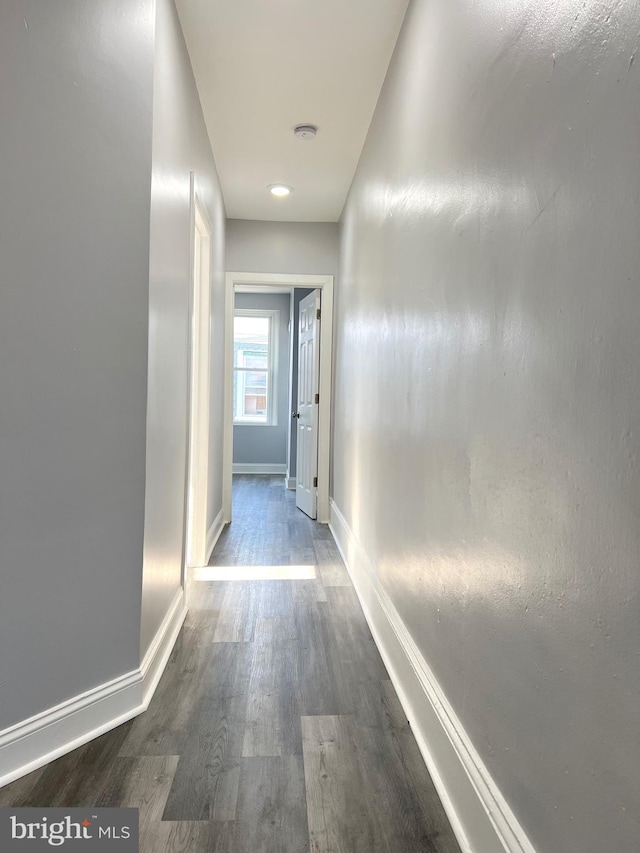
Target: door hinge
[
  {"x": 315, "y": 481},
  {"x": 317, "y": 398},
  {"x": 318, "y": 314}
]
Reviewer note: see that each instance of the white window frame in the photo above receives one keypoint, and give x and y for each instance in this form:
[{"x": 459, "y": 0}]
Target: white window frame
[{"x": 273, "y": 315}]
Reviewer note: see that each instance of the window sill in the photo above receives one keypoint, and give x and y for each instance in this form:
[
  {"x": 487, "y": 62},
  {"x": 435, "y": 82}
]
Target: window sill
[{"x": 254, "y": 424}]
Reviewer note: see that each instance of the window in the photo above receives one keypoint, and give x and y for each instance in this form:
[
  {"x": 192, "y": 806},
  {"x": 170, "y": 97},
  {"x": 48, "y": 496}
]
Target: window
[{"x": 254, "y": 367}]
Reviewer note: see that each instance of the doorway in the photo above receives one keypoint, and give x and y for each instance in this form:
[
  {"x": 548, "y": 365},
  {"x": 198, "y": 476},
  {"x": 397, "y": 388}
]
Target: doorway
[
  {"x": 273, "y": 283},
  {"x": 198, "y": 385}
]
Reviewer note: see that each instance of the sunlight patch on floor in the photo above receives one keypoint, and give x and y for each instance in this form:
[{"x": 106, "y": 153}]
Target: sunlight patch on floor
[{"x": 254, "y": 573}]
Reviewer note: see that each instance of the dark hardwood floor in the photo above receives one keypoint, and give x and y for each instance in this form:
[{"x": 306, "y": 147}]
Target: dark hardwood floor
[{"x": 275, "y": 728}]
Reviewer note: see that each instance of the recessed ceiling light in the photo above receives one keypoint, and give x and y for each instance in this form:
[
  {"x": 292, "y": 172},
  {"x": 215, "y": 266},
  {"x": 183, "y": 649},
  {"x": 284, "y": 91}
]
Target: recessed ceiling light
[{"x": 279, "y": 190}]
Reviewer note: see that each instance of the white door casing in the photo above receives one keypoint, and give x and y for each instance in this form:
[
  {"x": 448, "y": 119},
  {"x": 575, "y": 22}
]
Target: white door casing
[
  {"x": 269, "y": 281},
  {"x": 199, "y": 391},
  {"x": 308, "y": 400}
]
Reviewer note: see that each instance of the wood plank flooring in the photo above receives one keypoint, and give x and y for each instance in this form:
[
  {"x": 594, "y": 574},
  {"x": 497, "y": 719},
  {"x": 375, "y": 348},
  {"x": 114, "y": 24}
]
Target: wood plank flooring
[{"x": 275, "y": 728}]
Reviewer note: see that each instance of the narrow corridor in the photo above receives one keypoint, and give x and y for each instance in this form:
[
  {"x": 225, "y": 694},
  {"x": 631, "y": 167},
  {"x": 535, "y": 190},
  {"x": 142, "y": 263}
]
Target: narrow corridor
[{"x": 275, "y": 727}]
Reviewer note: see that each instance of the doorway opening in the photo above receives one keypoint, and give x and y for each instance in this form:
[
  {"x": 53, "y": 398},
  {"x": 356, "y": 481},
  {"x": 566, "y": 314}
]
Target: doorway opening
[
  {"x": 250, "y": 376},
  {"x": 198, "y": 385}
]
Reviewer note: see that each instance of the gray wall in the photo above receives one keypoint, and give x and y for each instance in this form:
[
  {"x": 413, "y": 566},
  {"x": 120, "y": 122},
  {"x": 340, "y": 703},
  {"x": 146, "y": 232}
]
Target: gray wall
[
  {"x": 75, "y": 168},
  {"x": 310, "y": 248},
  {"x": 488, "y": 392},
  {"x": 180, "y": 144},
  {"x": 268, "y": 444}
]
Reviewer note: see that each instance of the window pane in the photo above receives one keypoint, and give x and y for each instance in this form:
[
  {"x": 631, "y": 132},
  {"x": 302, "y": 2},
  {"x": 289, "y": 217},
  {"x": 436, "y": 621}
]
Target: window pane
[
  {"x": 255, "y": 406},
  {"x": 252, "y": 361},
  {"x": 255, "y": 394},
  {"x": 250, "y": 389},
  {"x": 251, "y": 341},
  {"x": 256, "y": 380},
  {"x": 252, "y": 358},
  {"x": 251, "y": 329}
]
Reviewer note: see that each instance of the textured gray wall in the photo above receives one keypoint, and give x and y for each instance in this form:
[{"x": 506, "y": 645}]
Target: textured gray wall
[
  {"x": 75, "y": 169},
  {"x": 268, "y": 444},
  {"x": 311, "y": 248},
  {"x": 488, "y": 392},
  {"x": 180, "y": 144}
]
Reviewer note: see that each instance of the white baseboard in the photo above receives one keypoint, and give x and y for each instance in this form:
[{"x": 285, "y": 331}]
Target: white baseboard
[
  {"x": 213, "y": 534},
  {"x": 290, "y": 483},
  {"x": 157, "y": 655},
  {"x": 30, "y": 744},
  {"x": 259, "y": 468},
  {"x": 479, "y": 814}
]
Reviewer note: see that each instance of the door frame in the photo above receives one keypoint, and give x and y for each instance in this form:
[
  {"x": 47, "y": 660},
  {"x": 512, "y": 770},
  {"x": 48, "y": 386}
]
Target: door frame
[
  {"x": 324, "y": 283},
  {"x": 198, "y": 399}
]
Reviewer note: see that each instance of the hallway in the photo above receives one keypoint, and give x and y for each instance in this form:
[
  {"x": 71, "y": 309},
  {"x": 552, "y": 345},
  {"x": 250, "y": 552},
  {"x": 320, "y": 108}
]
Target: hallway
[{"x": 275, "y": 727}]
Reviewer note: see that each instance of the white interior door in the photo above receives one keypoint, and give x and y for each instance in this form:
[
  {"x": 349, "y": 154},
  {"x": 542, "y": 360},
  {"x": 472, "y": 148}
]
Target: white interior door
[{"x": 308, "y": 400}]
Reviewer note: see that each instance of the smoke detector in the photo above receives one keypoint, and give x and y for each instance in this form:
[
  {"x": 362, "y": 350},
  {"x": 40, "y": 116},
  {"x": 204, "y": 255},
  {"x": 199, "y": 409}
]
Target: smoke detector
[{"x": 305, "y": 131}]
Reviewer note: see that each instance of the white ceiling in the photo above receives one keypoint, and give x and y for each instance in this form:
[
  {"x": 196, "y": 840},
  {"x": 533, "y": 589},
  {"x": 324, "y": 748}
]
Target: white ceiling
[{"x": 263, "y": 66}]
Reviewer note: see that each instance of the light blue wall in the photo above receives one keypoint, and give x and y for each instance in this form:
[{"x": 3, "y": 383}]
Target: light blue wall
[{"x": 267, "y": 444}]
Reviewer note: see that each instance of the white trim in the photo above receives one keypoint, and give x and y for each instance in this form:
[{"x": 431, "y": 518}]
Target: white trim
[
  {"x": 198, "y": 381},
  {"x": 273, "y": 290},
  {"x": 290, "y": 483},
  {"x": 34, "y": 742},
  {"x": 37, "y": 741},
  {"x": 259, "y": 468},
  {"x": 227, "y": 405},
  {"x": 479, "y": 814},
  {"x": 273, "y": 280},
  {"x": 157, "y": 655},
  {"x": 213, "y": 534}
]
